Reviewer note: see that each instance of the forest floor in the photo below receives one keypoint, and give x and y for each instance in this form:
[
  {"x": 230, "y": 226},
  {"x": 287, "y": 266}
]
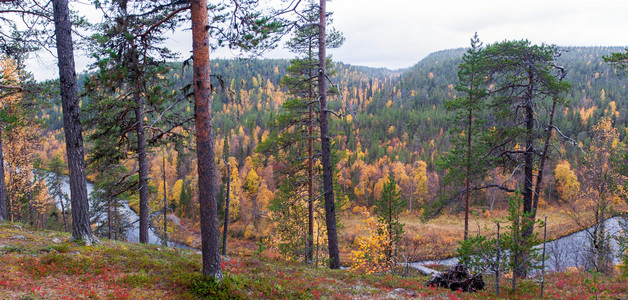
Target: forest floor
[{"x": 41, "y": 264}]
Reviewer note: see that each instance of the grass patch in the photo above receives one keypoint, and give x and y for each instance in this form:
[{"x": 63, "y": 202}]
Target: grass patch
[
  {"x": 12, "y": 249},
  {"x": 139, "y": 279},
  {"x": 117, "y": 270},
  {"x": 208, "y": 288}
]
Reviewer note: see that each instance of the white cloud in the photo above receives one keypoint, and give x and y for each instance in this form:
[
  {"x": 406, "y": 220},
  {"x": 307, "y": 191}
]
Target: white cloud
[{"x": 399, "y": 33}]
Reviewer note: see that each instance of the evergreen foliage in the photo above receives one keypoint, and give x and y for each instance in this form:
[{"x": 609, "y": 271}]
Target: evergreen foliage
[
  {"x": 389, "y": 209},
  {"x": 293, "y": 136}
]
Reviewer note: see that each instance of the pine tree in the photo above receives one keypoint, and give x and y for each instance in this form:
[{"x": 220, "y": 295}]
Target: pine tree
[
  {"x": 466, "y": 158},
  {"x": 523, "y": 77},
  {"x": 295, "y": 133},
  {"x": 129, "y": 89},
  {"x": 81, "y": 229}
]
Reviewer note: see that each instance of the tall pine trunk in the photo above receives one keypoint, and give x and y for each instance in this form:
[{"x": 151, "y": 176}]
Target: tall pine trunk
[
  {"x": 81, "y": 229},
  {"x": 309, "y": 251},
  {"x": 328, "y": 182},
  {"x": 163, "y": 167},
  {"x": 225, "y": 229},
  {"x": 543, "y": 159},
  {"x": 528, "y": 186},
  {"x": 205, "y": 141},
  {"x": 65, "y": 221},
  {"x": 143, "y": 168},
  {"x": 3, "y": 191}
]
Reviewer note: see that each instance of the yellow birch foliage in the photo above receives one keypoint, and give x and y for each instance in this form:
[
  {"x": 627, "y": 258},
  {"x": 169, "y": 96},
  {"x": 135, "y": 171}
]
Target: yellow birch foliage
[
  {"x": 567, "y": 183},
  {"x": 176, "y": 191},
  {"x": 371, "y": 255},
  {"x": 235, "y": 192},
  {"x": 420, "y": 182}
]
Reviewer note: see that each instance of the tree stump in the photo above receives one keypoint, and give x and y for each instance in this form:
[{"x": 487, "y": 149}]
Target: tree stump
[{"x": 457, "y": 278}]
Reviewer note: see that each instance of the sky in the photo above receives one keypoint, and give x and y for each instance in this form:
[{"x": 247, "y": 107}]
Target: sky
[{"x": 397, "y": 34}]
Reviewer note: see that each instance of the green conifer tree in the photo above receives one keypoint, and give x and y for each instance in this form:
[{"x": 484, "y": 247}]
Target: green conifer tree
[{"x": 389, "y": 209}]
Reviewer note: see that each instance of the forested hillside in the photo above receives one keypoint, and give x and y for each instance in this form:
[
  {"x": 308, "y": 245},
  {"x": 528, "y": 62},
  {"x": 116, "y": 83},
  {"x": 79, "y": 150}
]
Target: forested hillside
[
  {"x": 480, "y": 166},
  {"x": 386, "y": 121}
]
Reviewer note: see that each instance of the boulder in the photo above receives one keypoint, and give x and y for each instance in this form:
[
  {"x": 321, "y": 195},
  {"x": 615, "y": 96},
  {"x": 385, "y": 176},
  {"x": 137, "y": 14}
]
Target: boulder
[{"x": 401, "y": 292}]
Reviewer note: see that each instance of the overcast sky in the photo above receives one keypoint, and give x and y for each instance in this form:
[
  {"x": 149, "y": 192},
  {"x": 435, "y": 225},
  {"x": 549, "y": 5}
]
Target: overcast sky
[{"x": 398, "y": 33}]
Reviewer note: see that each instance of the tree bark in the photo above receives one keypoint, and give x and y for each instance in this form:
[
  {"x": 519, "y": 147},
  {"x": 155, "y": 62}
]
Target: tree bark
[
  {"x": 81, "y": 229},
  {"x": 163, "y": 165},
  {"x": 205, "y": 141},
  {"x": 529, "y": 152},
  {"x": 226, "y": 224},
  {"x": 468, "y": 179},
  {"x": 528, "y": 187},
  {"x": 58, "y": 181},
  {"x": 469, "y": 134},
  {"x": 108, "y": 219},
  {"x": 309, "y": 251},
  {"x": 143, "y": 168},
  {"x": 543, "y": 159},
  {"x": 328, "y": 183},
  {"x": 3, "y": 191}
]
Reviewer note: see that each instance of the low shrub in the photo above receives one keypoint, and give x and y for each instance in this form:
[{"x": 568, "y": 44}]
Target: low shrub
[{"x": 207, "y": 287}]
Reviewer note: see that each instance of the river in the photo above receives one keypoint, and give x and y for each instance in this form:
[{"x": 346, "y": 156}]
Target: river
[
  {"x": 562, "y": 253},
  {"x": 565, "y": 252},
  {"x": 133, "y": 233}
]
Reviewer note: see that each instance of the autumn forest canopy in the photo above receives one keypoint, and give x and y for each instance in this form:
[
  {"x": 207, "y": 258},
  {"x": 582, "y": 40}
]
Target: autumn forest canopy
[{"x": 308, "y": 158}]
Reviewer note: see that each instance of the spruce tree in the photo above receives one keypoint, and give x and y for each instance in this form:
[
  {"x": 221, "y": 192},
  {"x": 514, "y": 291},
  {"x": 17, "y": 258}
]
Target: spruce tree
[{"x": 389, "y": 209}]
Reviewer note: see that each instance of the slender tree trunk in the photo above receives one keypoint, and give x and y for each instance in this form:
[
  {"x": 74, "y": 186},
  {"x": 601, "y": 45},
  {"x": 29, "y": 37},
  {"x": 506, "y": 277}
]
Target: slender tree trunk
[
  {"x": 529, "y": 152},
  {"x": 143, "y": 170},
  {"x": 116, "y": 221},
  {"x": 390, "y": 231},
  {"x": 328, "y": 182},
  {"x": 205, "y": 141},
  {"x": 225, "y": 228},
  {"x": 141, "y": 153},
  {"x": 3, "y": 191},
  {"x": 31, "y": 206},
  {"x": 468, "y": 179},
  {"x": 65, "y": 222},
  {"x": 81, "y": 229},
  {"x": 108, "y": 219},
  {"x": 543, "y": 257},
  {"x": 11, "y": 209},
  {"x": 309, "y": 251},
  {"x": 543, "y": 159},
  {"x": 498, "y": 268},
  {"x": 255, "y": 209},
  {"x": 163, "y": 162}
]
